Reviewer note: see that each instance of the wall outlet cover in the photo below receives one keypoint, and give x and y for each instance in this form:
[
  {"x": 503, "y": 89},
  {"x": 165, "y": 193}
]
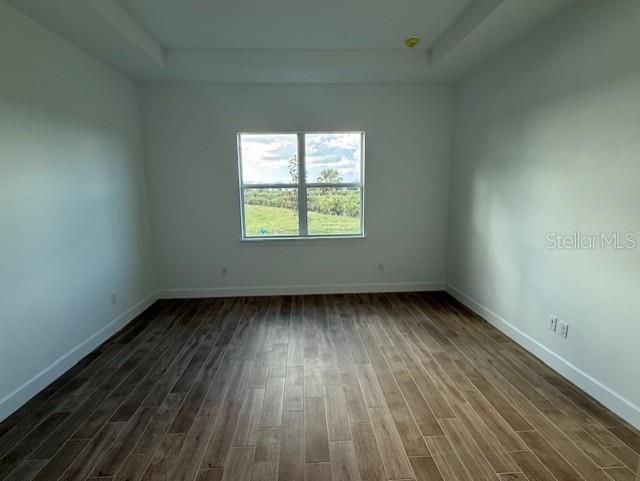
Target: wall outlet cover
[{"x": 564, "y": 329}]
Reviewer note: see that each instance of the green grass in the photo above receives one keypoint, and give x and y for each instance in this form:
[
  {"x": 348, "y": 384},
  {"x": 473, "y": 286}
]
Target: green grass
[{"x": 263, "y": 221}]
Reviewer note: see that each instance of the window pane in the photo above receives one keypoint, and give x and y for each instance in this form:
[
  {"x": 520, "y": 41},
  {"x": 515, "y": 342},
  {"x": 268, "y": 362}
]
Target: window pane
[
  {"x": 270, "y": 212},
  {"x": 333, "y": 157},
  {"x": 269, "y": 158},
  {"x": 333, "y": 211}
]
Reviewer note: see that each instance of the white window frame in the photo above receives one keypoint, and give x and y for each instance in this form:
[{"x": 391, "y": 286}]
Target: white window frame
[{"x": 302, "y": 187}]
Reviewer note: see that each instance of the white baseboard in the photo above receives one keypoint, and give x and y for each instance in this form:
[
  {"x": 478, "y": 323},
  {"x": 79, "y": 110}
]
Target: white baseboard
[
  {"x": 607, "y": 396},
  {"x": 300, "y": 289},
  {"x": 14, "y": 400}
]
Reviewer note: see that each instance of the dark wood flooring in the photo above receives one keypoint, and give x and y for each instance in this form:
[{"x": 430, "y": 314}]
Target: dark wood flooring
[{"x": 314, "y": 388}]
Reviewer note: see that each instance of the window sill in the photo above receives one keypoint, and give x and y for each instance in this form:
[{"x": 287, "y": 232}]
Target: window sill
[{"x": 268, "y": 240}]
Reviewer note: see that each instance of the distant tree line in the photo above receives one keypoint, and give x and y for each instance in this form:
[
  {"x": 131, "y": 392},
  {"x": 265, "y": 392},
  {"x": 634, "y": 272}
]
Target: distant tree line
[{"x": 325, "y": 200}]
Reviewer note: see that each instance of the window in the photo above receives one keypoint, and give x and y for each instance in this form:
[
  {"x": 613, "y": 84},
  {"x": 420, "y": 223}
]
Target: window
[{"x": 300, "y": 185}]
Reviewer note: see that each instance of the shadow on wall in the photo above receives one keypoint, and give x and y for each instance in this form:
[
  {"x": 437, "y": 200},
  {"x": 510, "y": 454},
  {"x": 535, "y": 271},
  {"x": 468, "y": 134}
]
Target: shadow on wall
[
  {"x": 535, "y": 70},
  {"x": 74, "y": 170},
  {"x": 71, "y": 188},
  {"x": 547, "y": 141}
]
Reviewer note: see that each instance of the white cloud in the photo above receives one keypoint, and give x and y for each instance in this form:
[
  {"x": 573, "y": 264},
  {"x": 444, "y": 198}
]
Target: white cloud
[
  {"x": 340, "y": 151},
  {"x": 265, "y": 157}
]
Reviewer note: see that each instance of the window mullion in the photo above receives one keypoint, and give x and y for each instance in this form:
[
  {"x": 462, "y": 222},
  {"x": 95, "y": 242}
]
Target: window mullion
[{"x": 302, "y": 189}]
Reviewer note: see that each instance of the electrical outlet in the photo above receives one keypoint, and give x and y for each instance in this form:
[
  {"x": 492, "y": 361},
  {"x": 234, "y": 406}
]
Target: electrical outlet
[
  {"x": 380, "y": 266},
  {"x": 563, "y": 331},
  {"x": 553, "y": 323},
  {"x": 114, "y": 298},
  {"x": 224, "y": 271}
]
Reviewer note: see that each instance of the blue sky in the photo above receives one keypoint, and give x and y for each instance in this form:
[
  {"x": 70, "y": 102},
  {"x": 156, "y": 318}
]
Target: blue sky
[{"x": 265, "y": 157}]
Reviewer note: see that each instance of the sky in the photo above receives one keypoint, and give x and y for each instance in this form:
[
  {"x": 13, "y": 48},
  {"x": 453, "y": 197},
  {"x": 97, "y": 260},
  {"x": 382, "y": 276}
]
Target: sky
[{"x": 265, "y": 157}]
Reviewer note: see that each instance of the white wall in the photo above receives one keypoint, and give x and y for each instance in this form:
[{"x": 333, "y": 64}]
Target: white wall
[
  {"x": 73, "y": 211},
  {"x": 190, "y": 136},
  {"x": 547, "y": 139}
]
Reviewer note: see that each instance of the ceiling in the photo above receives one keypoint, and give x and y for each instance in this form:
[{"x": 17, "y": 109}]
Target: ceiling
[
  {"x": 291, "y": 40},
  {"x": 292, "y": 24}
]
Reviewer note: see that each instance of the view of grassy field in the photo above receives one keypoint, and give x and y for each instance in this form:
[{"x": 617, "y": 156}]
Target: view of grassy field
[{"x": 276, "y": 221}]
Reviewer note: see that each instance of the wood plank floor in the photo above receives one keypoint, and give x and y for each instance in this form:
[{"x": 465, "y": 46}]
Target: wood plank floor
[{"x": 314, "y": 388}]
